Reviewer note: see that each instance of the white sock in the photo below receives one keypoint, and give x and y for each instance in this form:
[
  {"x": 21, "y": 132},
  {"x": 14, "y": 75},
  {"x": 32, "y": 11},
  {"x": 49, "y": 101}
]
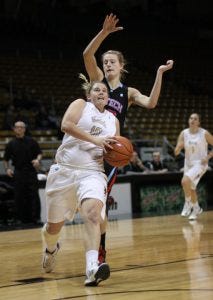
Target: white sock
[
  {"x": 50, "y": 239},
  {"x": 196, "y": 205},
  {"x": 91, "y": 258}
]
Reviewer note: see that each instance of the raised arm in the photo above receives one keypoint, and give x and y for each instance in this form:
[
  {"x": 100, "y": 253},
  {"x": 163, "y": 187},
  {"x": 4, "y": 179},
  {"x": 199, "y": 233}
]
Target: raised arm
[
  {"x": 135, "y": 96},
  {"x": 109, "y": 26}
]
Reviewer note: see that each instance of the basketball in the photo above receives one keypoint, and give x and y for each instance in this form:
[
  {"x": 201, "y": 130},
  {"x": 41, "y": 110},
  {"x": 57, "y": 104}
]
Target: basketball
[{"x": 121, "y": 153}]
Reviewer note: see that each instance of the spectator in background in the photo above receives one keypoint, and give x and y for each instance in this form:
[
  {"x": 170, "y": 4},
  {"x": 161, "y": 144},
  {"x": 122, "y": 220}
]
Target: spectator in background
[
  {"x": 157, "y": 165},
  {"x": 25, "y": 154},
  {"x": 42, "y": 118},
  {"x": 135, "y": 164}
]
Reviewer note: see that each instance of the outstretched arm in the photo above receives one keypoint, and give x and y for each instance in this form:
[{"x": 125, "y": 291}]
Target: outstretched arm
[
  {"x": 135, "y": 97},
  {"x": 109, "y": 26}
]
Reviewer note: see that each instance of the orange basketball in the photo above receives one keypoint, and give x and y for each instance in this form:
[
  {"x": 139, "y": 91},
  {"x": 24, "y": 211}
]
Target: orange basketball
[{"x": 121, "y": 153}]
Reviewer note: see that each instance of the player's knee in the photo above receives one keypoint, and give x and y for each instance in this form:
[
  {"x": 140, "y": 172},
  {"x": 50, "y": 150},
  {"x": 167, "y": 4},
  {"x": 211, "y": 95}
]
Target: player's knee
[
  {"x": 54, "y": 228},
  {"x": 185, "y": 181},
  {"x": 94, "y": 216}
]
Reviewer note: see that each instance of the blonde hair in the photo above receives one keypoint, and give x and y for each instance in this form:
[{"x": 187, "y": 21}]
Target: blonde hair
[{"x": 88, "y": 85}]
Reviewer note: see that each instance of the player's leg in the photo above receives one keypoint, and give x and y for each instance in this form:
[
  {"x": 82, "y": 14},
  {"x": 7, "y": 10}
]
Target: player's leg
[
  {"x": 196, "y": 209},
  {"x": 194, "y": 175},
  {"x": 111, "y": 173},
  {"x": 92, "y": 197},
  {"x": 186, "y": 185},
  {"x": 61, "y": 204},
  {"x": 50, "y": 234}
]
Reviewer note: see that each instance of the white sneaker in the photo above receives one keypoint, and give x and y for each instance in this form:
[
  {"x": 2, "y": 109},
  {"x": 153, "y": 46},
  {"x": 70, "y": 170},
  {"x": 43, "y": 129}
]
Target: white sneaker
[
  {"x": 97, "y": 274},
  {"x": 195, "y": 212},
  {"x": 49, "y": 259},
  {"x": 186, "y": 209}
]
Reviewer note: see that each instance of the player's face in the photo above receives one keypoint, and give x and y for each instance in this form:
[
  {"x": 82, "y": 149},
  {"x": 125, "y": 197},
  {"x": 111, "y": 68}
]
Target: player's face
[
  {"x": 194, "y": 120},
  {"x": 99, "y": 95},
  {"x": 111, "y": 66}
]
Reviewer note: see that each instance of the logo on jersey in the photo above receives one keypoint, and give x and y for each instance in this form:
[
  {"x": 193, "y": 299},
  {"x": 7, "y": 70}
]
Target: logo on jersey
[
  {"x": 116, "y": 105},
  {"x": 95, "y": 130}
]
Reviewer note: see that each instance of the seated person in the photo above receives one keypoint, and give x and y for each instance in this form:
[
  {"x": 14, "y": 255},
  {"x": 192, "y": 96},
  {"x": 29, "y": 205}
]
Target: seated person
[
  {"x": 157, "y": 165},
  {"x": 135, "y": 164}
]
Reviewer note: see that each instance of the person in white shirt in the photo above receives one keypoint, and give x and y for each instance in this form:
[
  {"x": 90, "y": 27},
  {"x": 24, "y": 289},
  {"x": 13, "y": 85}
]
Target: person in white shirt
[
  {"x": 77, "y": 181},
  {"x": 194, "y": 140}
]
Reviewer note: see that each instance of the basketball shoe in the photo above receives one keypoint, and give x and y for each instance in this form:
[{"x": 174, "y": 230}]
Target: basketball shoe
[
  {"x": 197, "y": 210},
  {"x": 97, "y": 274},
  {"x": 49, "y": 259},
  {"x": 186, "y": 209}
]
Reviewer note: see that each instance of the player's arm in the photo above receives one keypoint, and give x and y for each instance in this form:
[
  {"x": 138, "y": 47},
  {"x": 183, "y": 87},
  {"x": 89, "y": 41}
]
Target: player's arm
[
  {"x": 180, "y": 144},
  {"x": 209, "y": 139},
  {"x": 135, "y": 97},
  {"x": 109, "y": 26},
  {"x": 69, "y": 125},
  {"x": 117, "y": 124}
]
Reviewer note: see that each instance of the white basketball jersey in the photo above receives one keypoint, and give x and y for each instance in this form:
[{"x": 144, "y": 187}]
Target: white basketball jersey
[
  {"x": 195, "y": 146},
  {"x": 80, "y": 154}
]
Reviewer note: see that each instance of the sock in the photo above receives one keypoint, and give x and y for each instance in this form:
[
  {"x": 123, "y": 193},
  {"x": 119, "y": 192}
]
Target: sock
[
  {"x": 196, "y": 205},
  {"x": 103, "y": 238},
  {"x": 50, "y": 239},
  {"x": 91, "y": 258}
]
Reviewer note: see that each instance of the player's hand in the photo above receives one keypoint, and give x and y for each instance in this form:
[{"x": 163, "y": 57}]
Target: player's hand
[
  {"x": 110, "y": 24},
  {"x": 105, "y": 142},
  {"x": 167, "y": 66},
  {"x": 204, "y": 161}
]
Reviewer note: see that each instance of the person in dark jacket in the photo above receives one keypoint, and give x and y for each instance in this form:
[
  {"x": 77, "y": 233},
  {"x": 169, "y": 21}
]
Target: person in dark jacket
[{"x": 25, "y": 155}]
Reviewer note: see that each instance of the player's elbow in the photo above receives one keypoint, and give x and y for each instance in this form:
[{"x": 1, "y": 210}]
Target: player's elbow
[
  {"x": 85, "y": 54},
  {"x": 64, "y": 127},
  {"x": 151, "y": 105}
]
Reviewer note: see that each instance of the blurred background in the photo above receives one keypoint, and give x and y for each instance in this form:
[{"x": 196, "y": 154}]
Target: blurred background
[{"x": 41, "y": 56}]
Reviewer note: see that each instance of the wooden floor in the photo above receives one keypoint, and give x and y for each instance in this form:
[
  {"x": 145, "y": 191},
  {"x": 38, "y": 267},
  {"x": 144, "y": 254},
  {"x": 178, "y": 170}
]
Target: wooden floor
[{"x": 163, "y": 257}]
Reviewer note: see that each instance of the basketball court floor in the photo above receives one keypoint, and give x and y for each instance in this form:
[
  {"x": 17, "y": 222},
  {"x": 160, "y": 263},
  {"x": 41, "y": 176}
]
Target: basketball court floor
[{"x": 163, "y": 257}]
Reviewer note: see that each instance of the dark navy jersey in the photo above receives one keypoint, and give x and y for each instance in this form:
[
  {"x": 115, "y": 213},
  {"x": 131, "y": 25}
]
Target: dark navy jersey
[{"x": 118, "y": 102}]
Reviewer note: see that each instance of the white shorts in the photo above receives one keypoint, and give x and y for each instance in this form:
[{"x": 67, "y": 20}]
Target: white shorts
[
  {"x": 195, "y": 173},
  {"x": 67, "y": 187}
]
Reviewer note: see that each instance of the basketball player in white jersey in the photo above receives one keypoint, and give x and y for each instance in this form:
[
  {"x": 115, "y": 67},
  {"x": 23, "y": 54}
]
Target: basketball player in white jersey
[
  {"x": 78, "y": 181},
  {"x": 194, "y": 140}
]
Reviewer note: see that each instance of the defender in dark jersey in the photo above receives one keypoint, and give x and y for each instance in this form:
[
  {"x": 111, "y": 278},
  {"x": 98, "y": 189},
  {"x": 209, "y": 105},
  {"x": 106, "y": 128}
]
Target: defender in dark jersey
[{"x": 121, "y": 97}]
